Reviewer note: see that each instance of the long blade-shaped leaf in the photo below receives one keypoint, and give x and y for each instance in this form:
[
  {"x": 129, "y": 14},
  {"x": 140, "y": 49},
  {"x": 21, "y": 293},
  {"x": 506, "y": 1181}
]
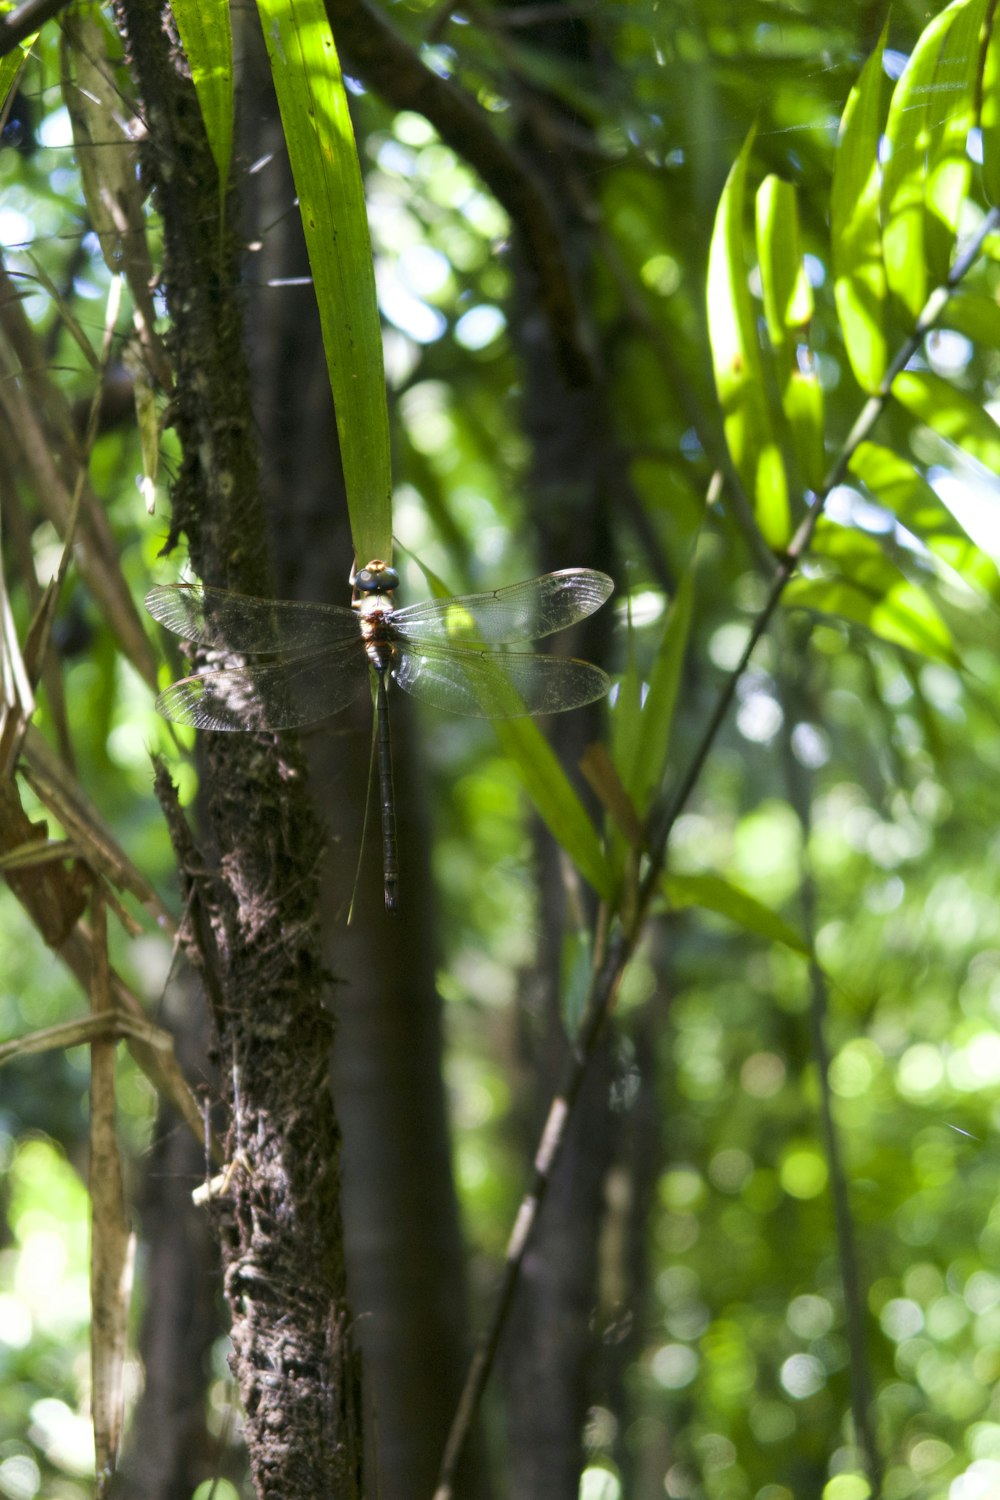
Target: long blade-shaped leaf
[
  {"x": 207, "y": 37},
  {"x": 861, "y": 584},
  {"x": 951, "y": 413},
  {"x": 327, "y": 174},
  {"x": 12, "y": 62},
  {"x": 555, "y": 799},
  {"x": 855, "y": 227},
  {"x": 788, "y": 310},
  {"x": 736, "y": 358},
  {"x": 712, "y": 893},
  {"x": 896, "y": 484},
  {"x": 949, "y": 166},
  {"x": 111, "y": 1244},
  {"x": 927, "y": 169},
  {"x": 989, "y": 118},
  {"x": 643, "y": 754}
]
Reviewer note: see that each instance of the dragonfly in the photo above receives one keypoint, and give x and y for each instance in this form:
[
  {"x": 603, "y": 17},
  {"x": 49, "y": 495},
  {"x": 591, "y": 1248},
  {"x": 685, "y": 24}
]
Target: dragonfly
[{"x": 451, "y": 653}]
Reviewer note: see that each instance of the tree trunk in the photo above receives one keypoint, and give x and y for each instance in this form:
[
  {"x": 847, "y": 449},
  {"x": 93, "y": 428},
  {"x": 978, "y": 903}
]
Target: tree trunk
[{"x": 253, "y": 897}]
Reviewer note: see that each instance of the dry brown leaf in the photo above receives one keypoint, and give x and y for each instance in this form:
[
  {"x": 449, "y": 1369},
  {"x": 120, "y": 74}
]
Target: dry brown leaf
[
  {"x": 42, "y": 437},
  {"x": 60, "y": 792},
  {"x": 602, "y": 776},
  {"x": 85, "y": 1029},
  {"x": 107, "y": 151},
  {"x": 112, "y": 1245}
]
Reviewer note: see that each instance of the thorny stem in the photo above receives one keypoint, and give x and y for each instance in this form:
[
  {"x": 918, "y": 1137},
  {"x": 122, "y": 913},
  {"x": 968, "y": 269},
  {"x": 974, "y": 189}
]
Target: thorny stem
[{"x": 622, "y": 945}]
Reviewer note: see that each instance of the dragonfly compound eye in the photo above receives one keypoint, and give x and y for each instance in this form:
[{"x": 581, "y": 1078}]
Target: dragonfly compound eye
[{"x": 377, "y": 578}]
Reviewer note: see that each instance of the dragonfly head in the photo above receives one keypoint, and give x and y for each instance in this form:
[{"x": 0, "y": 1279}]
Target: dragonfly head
[{"x": 376, "y": 578}]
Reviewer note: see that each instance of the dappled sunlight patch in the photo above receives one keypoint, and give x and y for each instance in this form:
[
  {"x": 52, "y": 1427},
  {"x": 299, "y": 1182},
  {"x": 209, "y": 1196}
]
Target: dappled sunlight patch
[{"x": 804, "y": 1171}]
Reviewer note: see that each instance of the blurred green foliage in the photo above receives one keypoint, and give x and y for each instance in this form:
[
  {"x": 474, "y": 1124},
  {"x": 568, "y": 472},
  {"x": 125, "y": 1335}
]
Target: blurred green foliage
[{"x": 738, "y": 1386}]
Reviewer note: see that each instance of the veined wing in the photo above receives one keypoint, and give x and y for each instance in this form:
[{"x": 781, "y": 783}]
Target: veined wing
[
  {"x": 273, "y": 695},
  {"x": 237, "y": 622},
  {"x": 522, "y": 612},
  {"x": 497, "y": 684}
]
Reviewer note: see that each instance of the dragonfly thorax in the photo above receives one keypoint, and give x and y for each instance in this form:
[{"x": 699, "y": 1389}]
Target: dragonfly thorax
[{"x": 374, "y": 587}]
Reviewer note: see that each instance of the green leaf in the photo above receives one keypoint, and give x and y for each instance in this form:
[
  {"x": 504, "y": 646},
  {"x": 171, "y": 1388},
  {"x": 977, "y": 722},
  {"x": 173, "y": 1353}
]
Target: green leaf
[
  {"x": 12, "y": 62},
  {"x": 788, "y": 299},
  {"x": 788, "y": 310},
  {"x": 576, "y": 973},
  {"x": 555, "y": 800},
  {"x": 804, "y": 408},
  {"x": 951, "y": 413},
  {"x": 862, "y": 585},
  {"x": 736, "y": 358},
  {"x": 926, "y": 175},
  {"x": 855, "y": 227},
  {"x": 989, "y": 118},
  {"x": 327, "y": 174},
  {"x": 975, "y": 315},
  {"x": 626, "y": 713},
  {"x": 712, "y": 893},
  {"x": 954, "y": 114},
  {"x": 896, "y": 484},
  {"x": 207, "y": 38},
  {"x": 643, "y": 751}
]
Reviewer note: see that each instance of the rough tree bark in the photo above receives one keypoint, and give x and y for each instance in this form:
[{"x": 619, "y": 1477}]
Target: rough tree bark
[{"x": 253, "y": 895}]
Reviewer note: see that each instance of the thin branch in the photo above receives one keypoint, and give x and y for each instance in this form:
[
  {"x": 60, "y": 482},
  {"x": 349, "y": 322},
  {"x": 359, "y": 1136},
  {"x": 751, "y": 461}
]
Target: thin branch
[
  {"x": 608, "y": 977},
  {"x": 19, "y": 24}
]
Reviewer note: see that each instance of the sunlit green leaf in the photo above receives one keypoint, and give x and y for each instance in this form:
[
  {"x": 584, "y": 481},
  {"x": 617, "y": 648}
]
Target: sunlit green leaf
[
  {"x": 953, "y": 115},
  {"x": 927, "y": 168},
  {"x": 736, "y": 358},
  {"x": 207, "y": 37},
  {"x": 859, "y": 583},
  {"x": 324, "y": 160},
  {"x": 788, "y": 299},
  {"x": 644, "y": 752},
  {"x": 897, "y": 485},
  {"x": 989, "y": 117},
  {"x": 855, "y": 227},
  {"x": 951, "y": 413},
  {"x": 974, "y": 314},
  {"x": 712, "y": 893},
  {"x": 804, "y": 408},
  {"x": 12, "y": 63},
  {"x": 788, "y": 310}
]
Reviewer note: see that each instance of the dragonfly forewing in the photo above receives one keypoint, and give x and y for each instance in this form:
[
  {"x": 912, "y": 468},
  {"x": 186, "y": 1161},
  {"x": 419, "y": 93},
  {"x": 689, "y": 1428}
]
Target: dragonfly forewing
[
  {"x": 269, "y": 695},
  {"x": 523, "y": 612},
  {"x": 497, "y": 685},
  {"x": 237, "y": 622}
]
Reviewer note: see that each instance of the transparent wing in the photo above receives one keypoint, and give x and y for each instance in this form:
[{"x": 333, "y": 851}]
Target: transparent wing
[
  {"x": 497, "y": 685},
  {"x": 278, "y": 695},
  {"x": 237, "y": 622},
  {"x": 522, "y": 612}
]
